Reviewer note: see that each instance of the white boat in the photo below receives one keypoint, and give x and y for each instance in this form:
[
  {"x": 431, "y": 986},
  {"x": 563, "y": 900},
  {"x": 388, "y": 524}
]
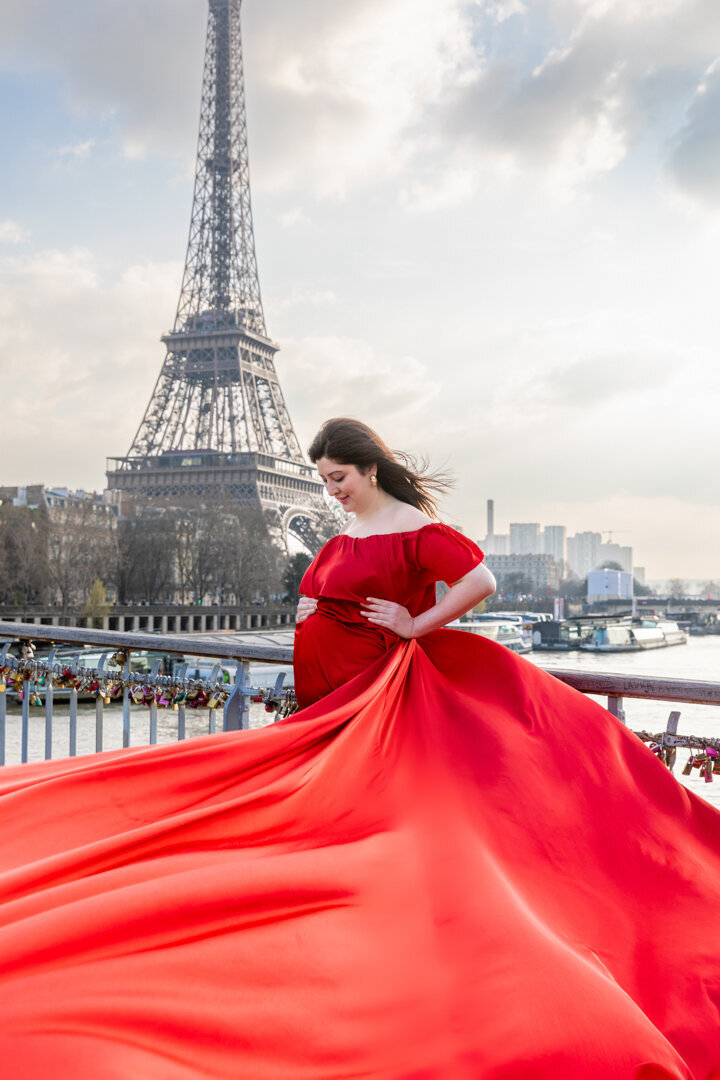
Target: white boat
[
  {"x": 634, "y": 637},
  {"x": 505, "y": 631}
]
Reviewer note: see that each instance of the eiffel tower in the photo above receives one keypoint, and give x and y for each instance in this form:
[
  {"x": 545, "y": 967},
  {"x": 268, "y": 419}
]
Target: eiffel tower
[{"x": 217, "y": 425}]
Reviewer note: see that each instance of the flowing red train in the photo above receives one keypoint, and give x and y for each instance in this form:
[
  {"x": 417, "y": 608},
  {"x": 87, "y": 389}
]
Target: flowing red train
[{"x": 448, "y": 866}]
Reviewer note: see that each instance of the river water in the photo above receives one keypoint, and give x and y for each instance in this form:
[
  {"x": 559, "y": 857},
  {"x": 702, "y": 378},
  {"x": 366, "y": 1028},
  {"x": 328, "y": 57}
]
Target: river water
[{"x": 699, "y": 659}]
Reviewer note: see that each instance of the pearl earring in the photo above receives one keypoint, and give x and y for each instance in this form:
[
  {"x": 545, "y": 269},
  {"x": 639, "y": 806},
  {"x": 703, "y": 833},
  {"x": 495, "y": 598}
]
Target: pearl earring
[{"x": 373, "y": 480}]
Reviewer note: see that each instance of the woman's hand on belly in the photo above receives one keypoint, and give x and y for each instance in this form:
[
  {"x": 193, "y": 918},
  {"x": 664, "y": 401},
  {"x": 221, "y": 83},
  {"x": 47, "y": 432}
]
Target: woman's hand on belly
[
  {"x": 390, "y": 616},
  {"x": 307, "y": 606}
]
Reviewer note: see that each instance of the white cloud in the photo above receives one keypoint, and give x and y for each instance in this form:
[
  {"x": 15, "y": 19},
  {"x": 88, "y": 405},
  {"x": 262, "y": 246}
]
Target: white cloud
[
  {"x": 296, "y": 216},
  {"x": 81, "y": 149},
  {"x": 327, "y": 376},
  {"x": 12, "y": 233},
  {"x": 348, "y": 87},
  {"x": 88, "y": 354},
  {"x": 505, "y": 9},
  {"x": 344, "y": 96},
  {"x": 695, "y": 158},
  {"x": 302, "y": 299}
]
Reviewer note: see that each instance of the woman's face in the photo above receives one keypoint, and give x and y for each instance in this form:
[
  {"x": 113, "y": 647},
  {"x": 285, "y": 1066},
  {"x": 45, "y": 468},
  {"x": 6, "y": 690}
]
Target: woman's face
[{"x": 346, "y": 483}]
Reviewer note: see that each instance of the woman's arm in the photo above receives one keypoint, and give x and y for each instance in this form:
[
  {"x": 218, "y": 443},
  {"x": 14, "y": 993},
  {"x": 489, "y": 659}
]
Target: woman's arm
[{"x": 462, "y": 597}]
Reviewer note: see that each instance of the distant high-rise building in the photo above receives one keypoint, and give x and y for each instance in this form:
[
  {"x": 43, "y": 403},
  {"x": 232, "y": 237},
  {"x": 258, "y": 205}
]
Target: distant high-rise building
[
  {"x": 525, "y": 538},
  {"x": 639, "y": 574},
  {"x": 497, "y": 544},
  {"x": 583, "y": 552},
  {"x": 541, "y": 572},
  {"x": 555, "y": 543},
  {"x": 618, "y": 553},
  {"x": 491, "y": 517}
]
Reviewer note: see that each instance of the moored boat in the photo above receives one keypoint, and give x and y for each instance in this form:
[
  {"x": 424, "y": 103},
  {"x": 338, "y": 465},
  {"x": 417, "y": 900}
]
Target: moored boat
[
  {"x": 635, "y": 636},
  {"x": 504, "y": 631},
  {"x": 562, "y": 636}
]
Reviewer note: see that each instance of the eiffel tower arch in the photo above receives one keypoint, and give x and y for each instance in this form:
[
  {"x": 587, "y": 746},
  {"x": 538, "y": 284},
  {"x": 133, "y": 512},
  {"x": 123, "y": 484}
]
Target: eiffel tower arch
[{"x": 217, "y": 425}]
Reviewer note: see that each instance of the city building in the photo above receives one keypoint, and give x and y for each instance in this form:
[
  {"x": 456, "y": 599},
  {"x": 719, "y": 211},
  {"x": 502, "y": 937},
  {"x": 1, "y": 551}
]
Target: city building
[
  {"x": 583, "y": 552},
  {"x": 525, "y": 538},
  {"x": 540, "y": 572},
  {"x": 609, "y": 585},
  {"x": 32, "y": 496},
  {"x": 555, "y": 543},
  {"x": 498, "y": 544},
  {"x": 39, "y": 497},
  {"x": 575, "y": 555},
  {"x": 618, "y": 553}
]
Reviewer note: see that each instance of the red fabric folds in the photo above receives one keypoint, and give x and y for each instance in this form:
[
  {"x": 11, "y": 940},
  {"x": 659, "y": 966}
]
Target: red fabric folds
[{"x": 452, "y": 866}]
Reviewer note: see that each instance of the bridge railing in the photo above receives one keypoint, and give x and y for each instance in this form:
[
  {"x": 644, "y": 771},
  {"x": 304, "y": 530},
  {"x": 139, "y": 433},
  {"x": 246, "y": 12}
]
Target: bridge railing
[
  {"x": 165, "y": 688},
  {"x": 169, "y": 688}
]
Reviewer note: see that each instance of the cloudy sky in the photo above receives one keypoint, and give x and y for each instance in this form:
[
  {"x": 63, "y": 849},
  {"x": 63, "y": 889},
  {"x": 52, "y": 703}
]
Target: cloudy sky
[{"x": 488, "y": 227}]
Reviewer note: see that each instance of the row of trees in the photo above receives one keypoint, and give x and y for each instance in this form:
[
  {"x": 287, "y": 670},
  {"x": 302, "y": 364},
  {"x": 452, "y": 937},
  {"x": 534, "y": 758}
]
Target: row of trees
[{"x": 164, "y": 553}]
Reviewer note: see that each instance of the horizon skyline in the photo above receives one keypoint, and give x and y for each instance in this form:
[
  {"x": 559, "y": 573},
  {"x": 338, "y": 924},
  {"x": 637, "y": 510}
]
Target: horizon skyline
[{"x": 493, "y": 225}]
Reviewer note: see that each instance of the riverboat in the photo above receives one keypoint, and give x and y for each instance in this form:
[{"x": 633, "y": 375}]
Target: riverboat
[
  {"x": 635, "y": 636},
  {"x": 506, "y": 632},
  {"x": 562, "y": 636}
]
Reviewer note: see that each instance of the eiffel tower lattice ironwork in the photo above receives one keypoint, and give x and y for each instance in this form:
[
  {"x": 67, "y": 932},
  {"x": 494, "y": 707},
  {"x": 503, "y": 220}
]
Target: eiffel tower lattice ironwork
[{"x": 217, "y": 423}]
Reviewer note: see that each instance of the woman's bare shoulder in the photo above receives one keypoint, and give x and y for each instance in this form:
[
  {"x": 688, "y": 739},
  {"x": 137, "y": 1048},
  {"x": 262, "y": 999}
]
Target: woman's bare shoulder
[{"x": 408, "y": 517}]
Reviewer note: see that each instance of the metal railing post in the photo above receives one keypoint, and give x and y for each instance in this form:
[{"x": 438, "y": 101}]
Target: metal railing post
[
  {"x": 25, "y": 721},
  {"x": 237, "y": 708},
  {"x": 49, "y": 707},
  {"x": 126, "y": 699},
  {"x": 153, "y": 707},
  {"x": 615, "y": 706},
  {"x": 3, "y": 705},
  {"x": 75, "y": 670}
]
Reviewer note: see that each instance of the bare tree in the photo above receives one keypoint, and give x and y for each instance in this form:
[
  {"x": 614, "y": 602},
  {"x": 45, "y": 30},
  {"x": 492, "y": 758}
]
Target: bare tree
[
  {"x": 250, "y": 560},
  {"x": 146, "y": 555},
  {"x": 81, "y": 546},
  {"x": 23, "y": 555}
]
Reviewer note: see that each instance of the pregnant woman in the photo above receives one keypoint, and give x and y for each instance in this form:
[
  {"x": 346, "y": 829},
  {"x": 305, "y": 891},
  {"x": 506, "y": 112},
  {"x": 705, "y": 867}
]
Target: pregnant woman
[{"x": 447, "y": 866}]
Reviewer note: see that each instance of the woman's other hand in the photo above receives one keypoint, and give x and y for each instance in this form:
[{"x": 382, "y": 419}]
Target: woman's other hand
[
  {"x": 390, "y": 616},
  {"x": 307, "y": 606}
]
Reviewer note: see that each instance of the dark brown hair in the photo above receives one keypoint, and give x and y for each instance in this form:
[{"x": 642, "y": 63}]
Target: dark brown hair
[{"x": 350, "y": 442}]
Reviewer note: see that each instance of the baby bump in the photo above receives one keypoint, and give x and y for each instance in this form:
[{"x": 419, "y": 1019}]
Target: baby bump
[{"x": 329, "y": 651}]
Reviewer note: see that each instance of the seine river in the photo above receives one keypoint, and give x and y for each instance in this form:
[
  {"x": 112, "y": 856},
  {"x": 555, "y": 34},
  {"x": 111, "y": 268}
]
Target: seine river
[{"x": 699, "y": 659}]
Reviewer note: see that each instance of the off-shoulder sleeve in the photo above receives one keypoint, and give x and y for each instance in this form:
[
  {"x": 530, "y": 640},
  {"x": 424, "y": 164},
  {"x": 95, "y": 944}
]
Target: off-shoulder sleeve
[{"x": 445, "y": 554}]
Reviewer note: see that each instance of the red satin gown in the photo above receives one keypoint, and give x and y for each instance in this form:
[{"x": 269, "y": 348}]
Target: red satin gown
[{"x": 448, "y": 866}]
